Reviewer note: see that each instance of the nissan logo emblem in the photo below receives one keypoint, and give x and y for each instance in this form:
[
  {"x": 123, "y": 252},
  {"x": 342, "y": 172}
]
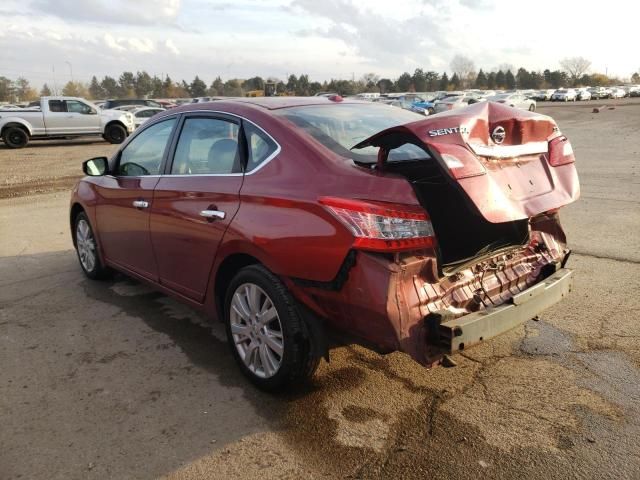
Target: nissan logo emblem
[{"x": 498, "y": 135}]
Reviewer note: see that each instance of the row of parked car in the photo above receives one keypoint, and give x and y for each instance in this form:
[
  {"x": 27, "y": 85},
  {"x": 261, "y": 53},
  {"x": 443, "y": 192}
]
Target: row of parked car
[{"x": 429, "y": 103}]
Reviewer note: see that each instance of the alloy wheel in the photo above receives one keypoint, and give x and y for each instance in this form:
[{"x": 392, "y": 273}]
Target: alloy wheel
[
  {"x": 256, "y": 330},
  {"x": 86, "y": 245}
]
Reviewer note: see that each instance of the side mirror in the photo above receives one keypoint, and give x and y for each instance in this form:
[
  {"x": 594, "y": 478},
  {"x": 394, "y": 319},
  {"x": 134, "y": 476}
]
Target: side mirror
[{"x": 95, "y": 167}]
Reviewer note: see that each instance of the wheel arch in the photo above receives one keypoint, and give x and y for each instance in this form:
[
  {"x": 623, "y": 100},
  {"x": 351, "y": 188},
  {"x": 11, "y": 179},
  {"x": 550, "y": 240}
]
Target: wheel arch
[
  {"x": 114, "y": 122},
  {"x": 223, "y": 275},
  {"x": 17, "y": 123},
  {"x": 75, "y": 210}
]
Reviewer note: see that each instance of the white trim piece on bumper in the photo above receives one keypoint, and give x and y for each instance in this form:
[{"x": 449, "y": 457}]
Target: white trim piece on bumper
[
  {"x": 463, "y": 332},
  {"x": 509, "y": 151}
]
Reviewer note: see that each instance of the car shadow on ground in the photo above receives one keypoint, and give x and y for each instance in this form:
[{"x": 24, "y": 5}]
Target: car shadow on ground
[{"x": 59, "y": 143}]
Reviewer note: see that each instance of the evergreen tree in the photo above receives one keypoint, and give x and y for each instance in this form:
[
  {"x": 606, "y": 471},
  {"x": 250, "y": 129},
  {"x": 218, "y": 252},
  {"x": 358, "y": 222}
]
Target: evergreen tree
[
  {"x": 500, "y": 79},
  {"x": 96, "y": 92},
  {"x": 419, "y": 80},
  {"x": 109, "y": 87},
  {"x": 455, "y": 81},
  {"x": 45, "y": 91},
  {"x": 510, "y": 80},
  {"x": 404, "y": 82},
  {"x": 481, "y": 80},
  {"x": 217, "y": 88},
  {"x": 432, "y": 79},
  {"x": 292, "y": 83},
  {"x": 491, "y": 81},
  {"x": 198, "y": 88},
  {"x": 444, "y": 81},
  {"x": 143, "y": 84}
]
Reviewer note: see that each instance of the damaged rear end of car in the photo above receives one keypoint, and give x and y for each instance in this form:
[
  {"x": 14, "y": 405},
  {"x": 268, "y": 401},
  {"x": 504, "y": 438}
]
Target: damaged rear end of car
[{"x": 483, "y": 251}]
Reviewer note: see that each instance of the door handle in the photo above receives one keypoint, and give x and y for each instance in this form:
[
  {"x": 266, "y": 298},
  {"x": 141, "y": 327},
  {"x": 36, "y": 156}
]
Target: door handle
[
  {"x": 141, "y": 204},
  {"x": 212, "y": 214}
]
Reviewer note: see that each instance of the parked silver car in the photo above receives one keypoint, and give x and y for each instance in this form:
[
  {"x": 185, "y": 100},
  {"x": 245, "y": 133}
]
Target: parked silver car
[
  {"x": 564, "y": 95},
  {"x": 456, "y": 100},
  {"x": 516, "y": 100}
]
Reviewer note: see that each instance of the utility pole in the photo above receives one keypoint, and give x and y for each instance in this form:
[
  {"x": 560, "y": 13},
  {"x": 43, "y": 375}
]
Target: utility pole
[
  {"x": 55, "y": 85},
  {"x": 70, "y": 69}
]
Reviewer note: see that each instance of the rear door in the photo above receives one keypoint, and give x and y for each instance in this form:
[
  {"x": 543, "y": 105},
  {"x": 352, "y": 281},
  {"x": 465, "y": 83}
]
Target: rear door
[
  {"x": 195, "y": 201},
  {"x": 126, "y": 198}
]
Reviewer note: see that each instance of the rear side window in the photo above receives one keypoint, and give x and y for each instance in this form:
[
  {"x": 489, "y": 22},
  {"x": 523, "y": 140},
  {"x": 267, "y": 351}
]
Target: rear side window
[
  {"x": 57, "y": 106},
  {"x": 340, "y": 127},
  {"x": 261, "y": 146},
  {"x": 143, "y": 155},
  {"x": 207, "y": 146}
]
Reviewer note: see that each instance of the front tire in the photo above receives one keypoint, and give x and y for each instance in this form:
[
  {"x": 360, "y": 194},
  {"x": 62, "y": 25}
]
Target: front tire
[
  {"x": 115, "y": 133},
  {"x": 532, "y": 108},
  {"x": 87, "y": 249},
  {"x": 15, "y": 137},
  {"x": 267, "y": 335}
]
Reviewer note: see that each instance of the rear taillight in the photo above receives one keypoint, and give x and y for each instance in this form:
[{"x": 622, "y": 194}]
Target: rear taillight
[
  {"x": 382, "y": 227},
  {"x": 460, "y": 161},
  {"x": 560, "y": 152}
]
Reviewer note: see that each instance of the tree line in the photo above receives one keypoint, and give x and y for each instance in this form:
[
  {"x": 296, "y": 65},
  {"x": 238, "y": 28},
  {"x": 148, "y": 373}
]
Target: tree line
[{"x": 142, "y": 85}]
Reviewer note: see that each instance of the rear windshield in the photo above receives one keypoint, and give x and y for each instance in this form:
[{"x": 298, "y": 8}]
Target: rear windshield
[{"x": 340, "y": 127}]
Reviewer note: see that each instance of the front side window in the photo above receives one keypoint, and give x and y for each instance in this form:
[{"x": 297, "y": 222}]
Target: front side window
[
  {"x": 143, "y": 155},
  {"x": 78, "y": 107},
  {"x": 207, "y": 146}
]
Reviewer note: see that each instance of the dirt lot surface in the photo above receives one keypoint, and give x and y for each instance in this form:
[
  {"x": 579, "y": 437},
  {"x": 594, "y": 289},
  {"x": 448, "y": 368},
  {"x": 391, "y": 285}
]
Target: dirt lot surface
[{"x": 111, "y": 380}]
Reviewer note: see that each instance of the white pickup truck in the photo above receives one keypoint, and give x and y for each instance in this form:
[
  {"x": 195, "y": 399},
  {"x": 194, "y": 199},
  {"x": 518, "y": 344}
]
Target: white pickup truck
[{"x": 63, "y": 117}]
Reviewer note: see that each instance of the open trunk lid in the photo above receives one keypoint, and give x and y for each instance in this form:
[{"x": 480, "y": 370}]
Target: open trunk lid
[{"x": 512, "y": 164}]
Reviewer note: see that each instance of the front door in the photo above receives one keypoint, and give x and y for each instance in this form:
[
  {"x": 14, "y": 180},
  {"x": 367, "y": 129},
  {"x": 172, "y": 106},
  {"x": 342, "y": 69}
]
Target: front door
[
  {"x": 82, "y": 117},
  {"x": 195, "y": 201},
  {"x": 71, "y": 117},
  {"x": 126, "y": 198}
]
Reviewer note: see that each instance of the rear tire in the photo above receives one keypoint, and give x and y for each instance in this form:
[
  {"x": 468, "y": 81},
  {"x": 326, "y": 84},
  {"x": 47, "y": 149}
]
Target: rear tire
[
  {"x": 15, "y": 137},
  {"x": 87, "y": 249},
  {"x": 115, "y": 133},
  {"x": 268, "y": 337},
  {"x": 532, "y": 108}
]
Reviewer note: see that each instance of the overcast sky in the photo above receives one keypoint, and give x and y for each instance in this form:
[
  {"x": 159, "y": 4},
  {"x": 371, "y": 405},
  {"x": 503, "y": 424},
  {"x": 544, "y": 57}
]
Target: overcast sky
[{"x": 324, "y": 38}]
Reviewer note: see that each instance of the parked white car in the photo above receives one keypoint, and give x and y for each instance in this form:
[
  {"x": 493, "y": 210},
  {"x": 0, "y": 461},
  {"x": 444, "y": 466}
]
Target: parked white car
[
  {"x": 583, "y": 94},
  {"x": 618, "y": 93},
  {"x": 564, "y": 95},
  {"x": 63, "y": 117},
  {"x": 516, "y": 100},
  {"x": 142, "y": 114},
  {"x": 456, "y": 100}
]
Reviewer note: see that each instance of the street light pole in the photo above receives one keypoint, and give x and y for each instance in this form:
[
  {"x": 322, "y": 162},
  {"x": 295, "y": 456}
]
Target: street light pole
[{"x": 70, "y": 69}]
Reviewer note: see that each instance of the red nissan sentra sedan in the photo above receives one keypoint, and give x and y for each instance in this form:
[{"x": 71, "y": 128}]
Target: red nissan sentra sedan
[{"x": 289, "y": 218}]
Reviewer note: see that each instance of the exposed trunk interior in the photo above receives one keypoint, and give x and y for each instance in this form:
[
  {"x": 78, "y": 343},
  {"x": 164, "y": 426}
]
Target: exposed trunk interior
[{"x": 461, "y": 231}]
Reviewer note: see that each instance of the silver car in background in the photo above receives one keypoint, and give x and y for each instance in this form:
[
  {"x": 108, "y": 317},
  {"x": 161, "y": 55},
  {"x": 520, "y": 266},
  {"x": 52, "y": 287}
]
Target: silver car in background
[
  {"x": 564, "y": 95},
  {"x": 456, "y": 100},
  {"x": 516, "y": 100}
]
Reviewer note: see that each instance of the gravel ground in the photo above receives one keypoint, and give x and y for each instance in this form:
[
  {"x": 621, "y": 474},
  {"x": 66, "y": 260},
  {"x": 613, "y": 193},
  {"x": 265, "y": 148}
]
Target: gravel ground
[{"x": 112, "y": 380}]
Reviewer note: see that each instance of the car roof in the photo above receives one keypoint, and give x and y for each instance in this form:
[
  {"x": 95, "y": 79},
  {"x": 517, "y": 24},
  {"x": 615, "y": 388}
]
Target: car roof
[{"x": 269, "y": 103}]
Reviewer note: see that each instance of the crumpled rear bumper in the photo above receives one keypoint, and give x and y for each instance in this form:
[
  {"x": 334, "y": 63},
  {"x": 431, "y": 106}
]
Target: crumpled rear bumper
[{"x": 460, "y": 333}]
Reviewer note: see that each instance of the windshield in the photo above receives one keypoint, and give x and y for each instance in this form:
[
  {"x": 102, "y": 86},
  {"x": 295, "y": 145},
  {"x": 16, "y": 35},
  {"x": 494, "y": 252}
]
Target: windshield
[{"x": 340, "y": 127}]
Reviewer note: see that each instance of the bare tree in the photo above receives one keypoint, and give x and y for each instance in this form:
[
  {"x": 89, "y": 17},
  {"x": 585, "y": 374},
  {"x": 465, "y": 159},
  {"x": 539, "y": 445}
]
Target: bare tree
[
  {"x": 463, "y": 67},
  {"x": 575, "y": 66}
]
